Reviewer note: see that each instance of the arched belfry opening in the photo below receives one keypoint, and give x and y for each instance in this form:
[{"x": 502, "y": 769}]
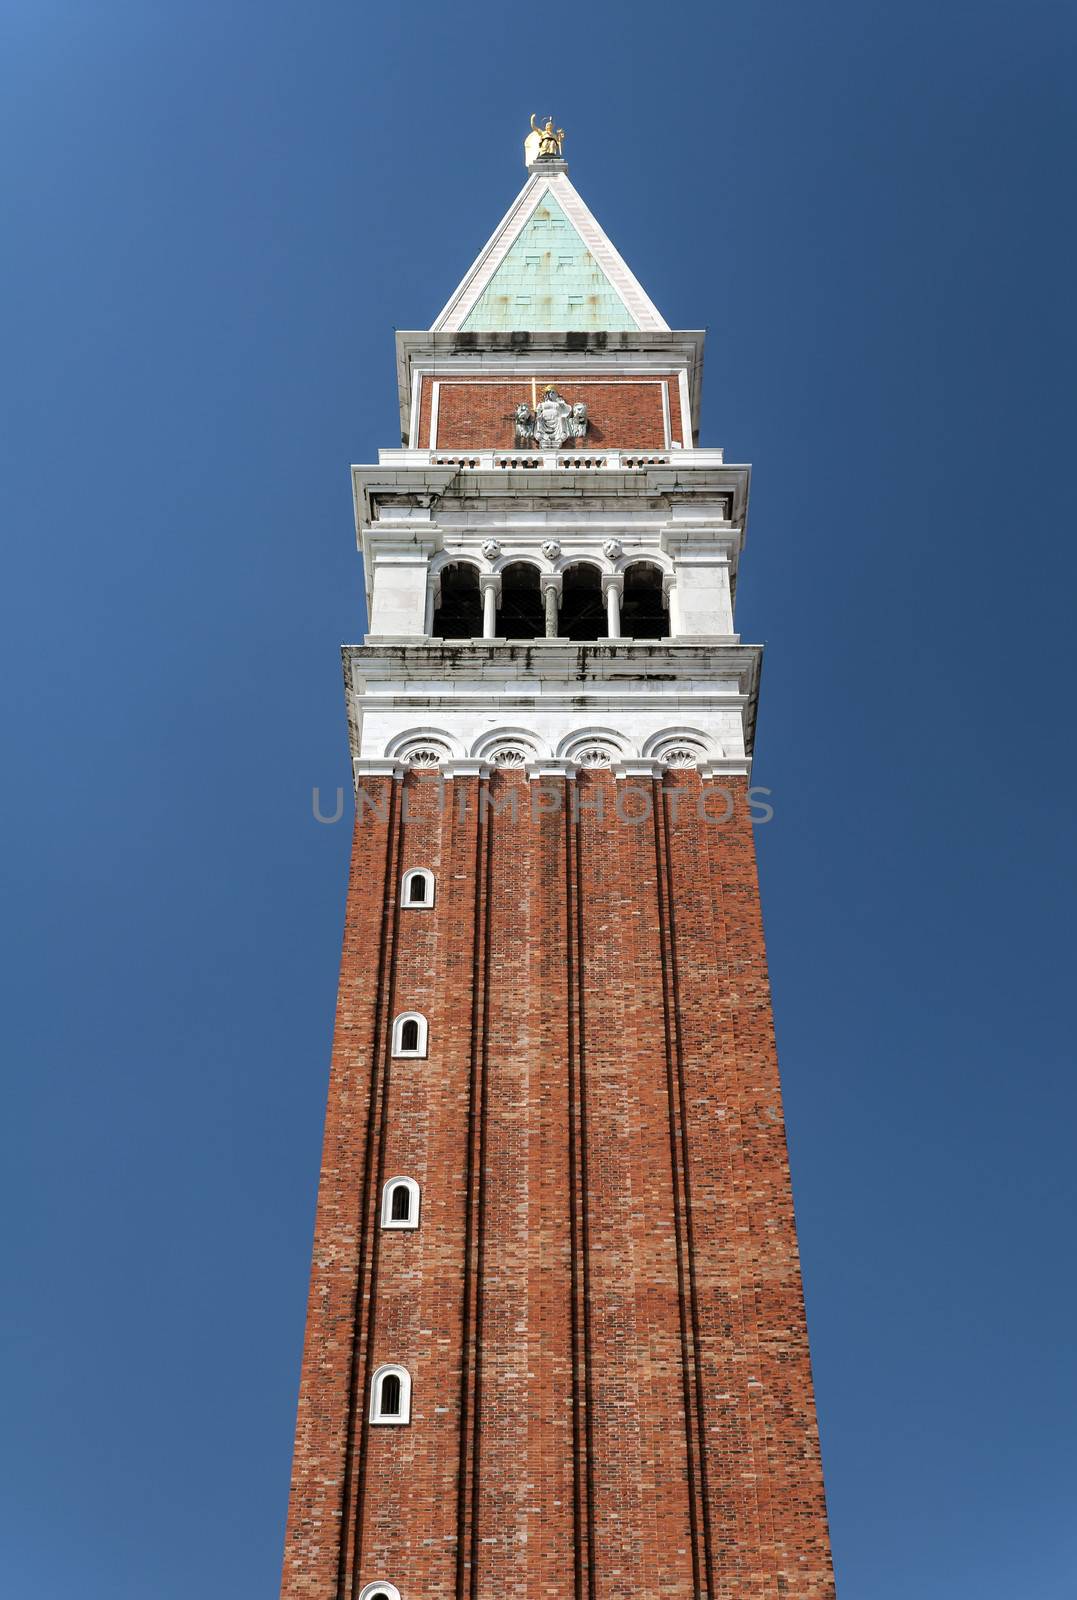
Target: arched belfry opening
[
  {"x": 583, "y": 610},
  {"x": 459, "y": 611},
  {"x": 521, "y": 615},
  {"x": 644, "y": 608}
]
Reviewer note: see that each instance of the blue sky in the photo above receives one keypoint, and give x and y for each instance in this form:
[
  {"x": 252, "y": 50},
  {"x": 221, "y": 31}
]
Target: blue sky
[{"x": 214, "y": 217}]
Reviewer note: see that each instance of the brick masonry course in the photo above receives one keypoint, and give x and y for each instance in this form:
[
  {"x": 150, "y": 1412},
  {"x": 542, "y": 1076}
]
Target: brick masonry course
[
  {"x": 602, "y": 1309},
  {"x": 477, "y": 413}
]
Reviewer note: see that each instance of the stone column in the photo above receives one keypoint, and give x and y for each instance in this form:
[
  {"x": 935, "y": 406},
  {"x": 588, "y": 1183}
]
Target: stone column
[
  {"x": 433, "y": 599},
  {"x": 669, "y": 591},
  {"x": 550, "y": 583},
  {"x": 612, "y": 588},
  {"x": 490, "y": 585}
]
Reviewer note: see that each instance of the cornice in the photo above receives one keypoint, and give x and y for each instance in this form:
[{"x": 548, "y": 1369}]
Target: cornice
[
  {"x": 605, "y": 660},
  {"x": 559, "y": 674},
  {"x": 675, "y": 483},
  {"x": 543, "y": 769}
]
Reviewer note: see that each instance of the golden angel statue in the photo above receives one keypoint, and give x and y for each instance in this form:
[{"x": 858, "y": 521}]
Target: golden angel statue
[{"x": 550, "y": 139}]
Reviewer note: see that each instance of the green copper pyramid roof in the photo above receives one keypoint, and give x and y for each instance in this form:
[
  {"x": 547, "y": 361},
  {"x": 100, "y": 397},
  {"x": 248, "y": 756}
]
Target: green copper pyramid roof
[{"x": 549, "y": 279}]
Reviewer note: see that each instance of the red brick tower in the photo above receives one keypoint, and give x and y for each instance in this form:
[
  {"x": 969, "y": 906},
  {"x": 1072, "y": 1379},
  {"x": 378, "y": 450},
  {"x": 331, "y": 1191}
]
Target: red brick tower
[{"x": 555, "y": 1340}]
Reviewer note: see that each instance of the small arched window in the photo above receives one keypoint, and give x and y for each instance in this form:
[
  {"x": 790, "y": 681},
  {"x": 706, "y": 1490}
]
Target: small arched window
[
  {"x": 400, "y": 1203},
  {"x": 417, "y": 889},
  {"x": 380, "y": 1591},
  {"x": 409, "y": 1034},
  {"x": 390, "y": 1395}
]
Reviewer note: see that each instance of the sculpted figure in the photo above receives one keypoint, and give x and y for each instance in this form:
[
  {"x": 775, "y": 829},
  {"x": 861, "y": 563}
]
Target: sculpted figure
[
  {"x": 491, "y": 549},
  {"x": 551, "y": 549},
  {"x": 550, "y": 138},
  {"x": 551, "y": 420},
  {"x": 578, "y": 420},
  {"x": 524, "y": 421}
]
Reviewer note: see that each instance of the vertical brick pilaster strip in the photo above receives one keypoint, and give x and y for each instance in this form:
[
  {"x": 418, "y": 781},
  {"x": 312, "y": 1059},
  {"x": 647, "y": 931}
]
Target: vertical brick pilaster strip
[
  {"x": 500, "y": 1534},
  {"x": 318, "y": 1512},
  {"x": 583, "y": 1453},
  {"x": 471, "y": 843},
  {"x": 408, "y": 1504},
  {"x": 793, "y": 1540},
  {"x": 721, "y": 1192},
  {"x": 641, "y": 1535},
  {"x": 694, "y": 1412},
  {"x": 552, "y": 1557},
  {"x": 350, "y": 1574}
]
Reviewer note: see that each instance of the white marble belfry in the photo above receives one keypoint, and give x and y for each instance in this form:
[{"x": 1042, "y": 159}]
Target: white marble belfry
[{"x": 429, "y": 519}]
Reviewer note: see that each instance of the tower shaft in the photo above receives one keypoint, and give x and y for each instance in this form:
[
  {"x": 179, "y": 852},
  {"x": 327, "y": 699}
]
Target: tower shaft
[{"x": 555, "y": 1338}]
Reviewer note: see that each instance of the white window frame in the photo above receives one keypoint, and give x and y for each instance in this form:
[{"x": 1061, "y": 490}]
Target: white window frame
[
  {"x": 406, "y": 902},
  {"x": 414, "y": 1199},
  {"x": 389, "y": 1590},
  {"x": 403, "y": 1416},
  {"x": 398, "y": 1034}
]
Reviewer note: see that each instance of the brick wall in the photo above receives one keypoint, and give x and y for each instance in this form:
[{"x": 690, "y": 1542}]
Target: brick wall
[
  {"x": 601, "y": 1309},
  {"x": 477, "y": 413}
]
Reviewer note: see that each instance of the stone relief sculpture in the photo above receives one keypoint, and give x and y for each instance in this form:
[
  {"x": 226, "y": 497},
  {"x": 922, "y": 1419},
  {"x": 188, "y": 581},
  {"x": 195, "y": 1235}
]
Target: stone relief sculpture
[
  {"x": 680, "y": 757},
  {"x": 551, "y": 420},
  {"x": 551, "y": 424},
  {"x": 551, "y": 549},
  {"x": 491, "y": 549},
  {"x": 524, "y": 424},
  {"x": 511, "y": 755},
  {"x": 594, "y": 755},
  {"x": 578, "y": 420}
]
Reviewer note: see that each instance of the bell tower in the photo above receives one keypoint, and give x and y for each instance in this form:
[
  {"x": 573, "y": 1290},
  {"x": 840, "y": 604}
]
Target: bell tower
[{"x": 555, "y": 1338}]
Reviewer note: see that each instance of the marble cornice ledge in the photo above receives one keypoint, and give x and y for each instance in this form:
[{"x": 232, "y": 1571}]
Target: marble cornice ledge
[
  {"x": 682, "y": 485},
  {"x": 550, "y": 767},
  {"x": 422, "y": 658},
  {"x": 542, "y": 768},
  {"x": 638, "y": 767},
  {"x": 374, "y": 767},
  {"x": 465, "y": 767}
]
